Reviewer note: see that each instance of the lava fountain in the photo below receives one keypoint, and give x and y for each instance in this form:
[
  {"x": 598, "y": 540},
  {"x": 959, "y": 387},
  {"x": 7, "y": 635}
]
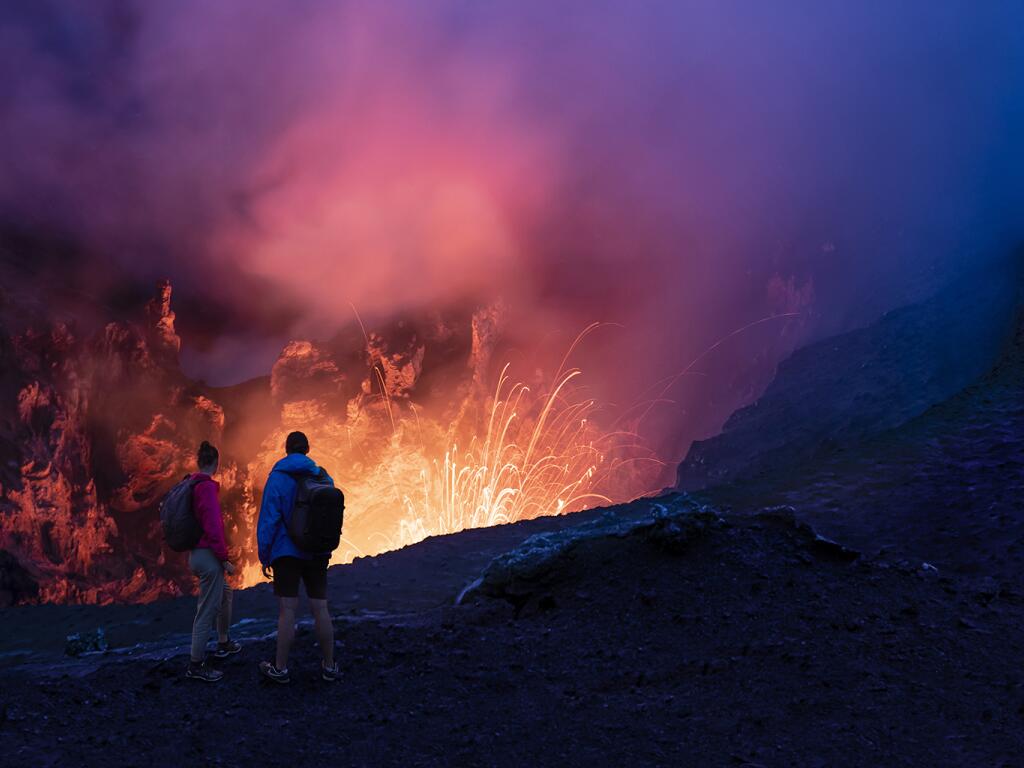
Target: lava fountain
[
  {"x": 507, "y": 452},
  {"x": 537, "y": 456}
]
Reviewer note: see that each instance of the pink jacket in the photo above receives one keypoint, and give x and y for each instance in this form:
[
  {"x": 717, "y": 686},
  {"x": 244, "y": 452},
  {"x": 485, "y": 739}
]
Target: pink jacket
[{"x": 207, "y": 508}]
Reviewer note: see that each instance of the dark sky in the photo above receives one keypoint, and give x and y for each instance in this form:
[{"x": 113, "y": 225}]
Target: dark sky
[{"x": 680, "y": 168}]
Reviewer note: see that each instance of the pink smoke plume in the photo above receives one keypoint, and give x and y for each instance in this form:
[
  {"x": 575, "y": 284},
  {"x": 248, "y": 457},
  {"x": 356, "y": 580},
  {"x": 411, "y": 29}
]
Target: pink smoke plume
[{"x": 674, "y": 169}]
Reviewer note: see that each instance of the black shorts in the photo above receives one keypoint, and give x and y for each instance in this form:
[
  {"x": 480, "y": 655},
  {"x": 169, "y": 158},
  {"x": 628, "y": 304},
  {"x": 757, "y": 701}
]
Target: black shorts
[{"x": 313, "y": 573}]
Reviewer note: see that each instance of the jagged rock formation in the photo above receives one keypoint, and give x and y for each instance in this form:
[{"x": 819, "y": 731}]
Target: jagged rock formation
[
  {"x": 161, "y": 336},
  {"x": 94, "y": 428},
  {"x": 305, "y": 371}
]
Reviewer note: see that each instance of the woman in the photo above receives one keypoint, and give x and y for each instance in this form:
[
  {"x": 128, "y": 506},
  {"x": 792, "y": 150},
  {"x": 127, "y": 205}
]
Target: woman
[{"x": 209, "y": 562}]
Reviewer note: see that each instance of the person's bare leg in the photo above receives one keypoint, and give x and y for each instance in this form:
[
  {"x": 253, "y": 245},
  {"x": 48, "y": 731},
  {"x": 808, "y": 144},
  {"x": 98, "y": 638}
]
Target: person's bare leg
[
  {"x": 324, "y": 629},
  {"x": 224, "y": 615},
  {"x": 285, "y": 629}
]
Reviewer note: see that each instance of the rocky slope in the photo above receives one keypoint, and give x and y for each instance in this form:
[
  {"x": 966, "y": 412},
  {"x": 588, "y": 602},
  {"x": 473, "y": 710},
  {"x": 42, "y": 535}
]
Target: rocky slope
[
  {"x": 658, "y": 634},
  {"x": 843, "y": 390},
  {"x": 670, "y": 631},
  {"x": 947, "y": 486}
]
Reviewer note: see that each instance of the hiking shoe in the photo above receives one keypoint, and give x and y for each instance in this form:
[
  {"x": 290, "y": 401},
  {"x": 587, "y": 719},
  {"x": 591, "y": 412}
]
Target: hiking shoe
[
  {"x": 330, "y": 674},
  {"x": 269, "y": 671},
  {"x": 203, "y": 672},
  {"x": 229, "y": 648}
]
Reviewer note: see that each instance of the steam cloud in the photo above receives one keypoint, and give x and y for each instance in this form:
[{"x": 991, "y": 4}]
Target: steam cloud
[{"x": 679, "y": 168}]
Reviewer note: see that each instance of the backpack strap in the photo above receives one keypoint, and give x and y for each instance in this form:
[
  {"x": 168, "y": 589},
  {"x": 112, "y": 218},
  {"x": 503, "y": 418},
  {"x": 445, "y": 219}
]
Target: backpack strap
[{"x": 299, "y": 476}]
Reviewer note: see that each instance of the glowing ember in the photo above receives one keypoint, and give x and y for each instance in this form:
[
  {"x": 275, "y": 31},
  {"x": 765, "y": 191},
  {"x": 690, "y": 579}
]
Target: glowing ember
[
  {"x": 535, "y": 457},
  {"x": 507, "y": 455}
]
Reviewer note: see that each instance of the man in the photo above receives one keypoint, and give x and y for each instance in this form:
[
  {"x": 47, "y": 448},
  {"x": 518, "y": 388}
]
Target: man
[{"x": 290, "y": 564}]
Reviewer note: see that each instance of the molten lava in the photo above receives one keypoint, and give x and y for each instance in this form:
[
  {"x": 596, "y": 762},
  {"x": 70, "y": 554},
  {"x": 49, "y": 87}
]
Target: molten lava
[{"x": 503, "y": 455}]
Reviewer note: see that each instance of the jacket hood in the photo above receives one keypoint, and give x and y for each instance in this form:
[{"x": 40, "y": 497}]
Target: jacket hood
[{"x": 297, "y": 462}]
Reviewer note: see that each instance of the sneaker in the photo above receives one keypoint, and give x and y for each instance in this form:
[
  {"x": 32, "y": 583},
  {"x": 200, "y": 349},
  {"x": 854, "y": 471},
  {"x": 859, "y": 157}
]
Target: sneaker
[
  {"x": 269, "y": 671},
  {"x": 203, "y": 672},
  {"x": 330, "y": 674},
  {"x": 229, "y": 648}
]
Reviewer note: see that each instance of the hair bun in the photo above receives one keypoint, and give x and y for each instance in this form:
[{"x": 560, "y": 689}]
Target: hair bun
[{"x": 207, "y": 454}]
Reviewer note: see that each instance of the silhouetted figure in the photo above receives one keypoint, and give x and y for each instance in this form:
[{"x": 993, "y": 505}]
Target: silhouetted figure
[
  {"x": 209, "y": 562},
  {"x": 291, "y": 564}
]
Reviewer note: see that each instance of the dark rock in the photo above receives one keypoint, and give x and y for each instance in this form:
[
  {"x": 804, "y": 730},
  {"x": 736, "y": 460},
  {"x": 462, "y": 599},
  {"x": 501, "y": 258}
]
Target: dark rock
[
  {"x": 821, "y": 548},
  {"x": 16, "y": 583},
  {"x": 86, "y": 642},
  {"x": 676, "y": 528},
  {"x": 826, "y": 549},
  {"x": 162, "y": 338},
  {"x": 844, "y": 389},
  {"x": 671, "y": 525}
]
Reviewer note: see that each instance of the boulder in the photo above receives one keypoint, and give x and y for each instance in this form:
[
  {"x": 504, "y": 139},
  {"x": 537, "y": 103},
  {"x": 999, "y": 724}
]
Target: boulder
[{"x": 672, "y": 524}]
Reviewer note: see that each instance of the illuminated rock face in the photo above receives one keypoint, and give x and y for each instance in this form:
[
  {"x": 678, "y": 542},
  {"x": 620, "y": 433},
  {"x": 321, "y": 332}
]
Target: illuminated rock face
[
  {"x": 92, "y": 432},
  {"x": 161, "y": 337},
  {"x": 94, "y": 429}
]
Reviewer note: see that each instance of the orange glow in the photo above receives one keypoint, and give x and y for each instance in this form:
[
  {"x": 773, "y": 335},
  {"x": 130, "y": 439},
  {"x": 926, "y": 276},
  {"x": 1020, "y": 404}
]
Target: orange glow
[{"x": 505, "y": 455}]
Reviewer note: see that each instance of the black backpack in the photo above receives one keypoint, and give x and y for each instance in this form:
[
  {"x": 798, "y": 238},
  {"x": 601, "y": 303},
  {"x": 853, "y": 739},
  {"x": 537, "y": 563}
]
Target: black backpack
[
  {"x": 182, "y": 531},
  {"x": 317, "y": 514}
]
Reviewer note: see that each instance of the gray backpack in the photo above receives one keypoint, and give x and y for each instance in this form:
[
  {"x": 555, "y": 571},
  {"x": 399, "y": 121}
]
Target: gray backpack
[{"x": 182, "y": 530}]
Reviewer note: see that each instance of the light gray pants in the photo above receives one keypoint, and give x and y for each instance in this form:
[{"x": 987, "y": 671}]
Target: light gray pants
[{"x": 214, "y": 600}]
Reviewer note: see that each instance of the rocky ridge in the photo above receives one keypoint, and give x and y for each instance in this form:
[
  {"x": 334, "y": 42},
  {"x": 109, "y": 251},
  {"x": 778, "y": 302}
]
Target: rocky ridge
[{"x": 843, "y": 390}]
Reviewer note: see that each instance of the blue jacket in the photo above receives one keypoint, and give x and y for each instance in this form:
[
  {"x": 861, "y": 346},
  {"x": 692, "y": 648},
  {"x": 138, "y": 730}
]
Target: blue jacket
[{"x": 276, "y": 508}]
